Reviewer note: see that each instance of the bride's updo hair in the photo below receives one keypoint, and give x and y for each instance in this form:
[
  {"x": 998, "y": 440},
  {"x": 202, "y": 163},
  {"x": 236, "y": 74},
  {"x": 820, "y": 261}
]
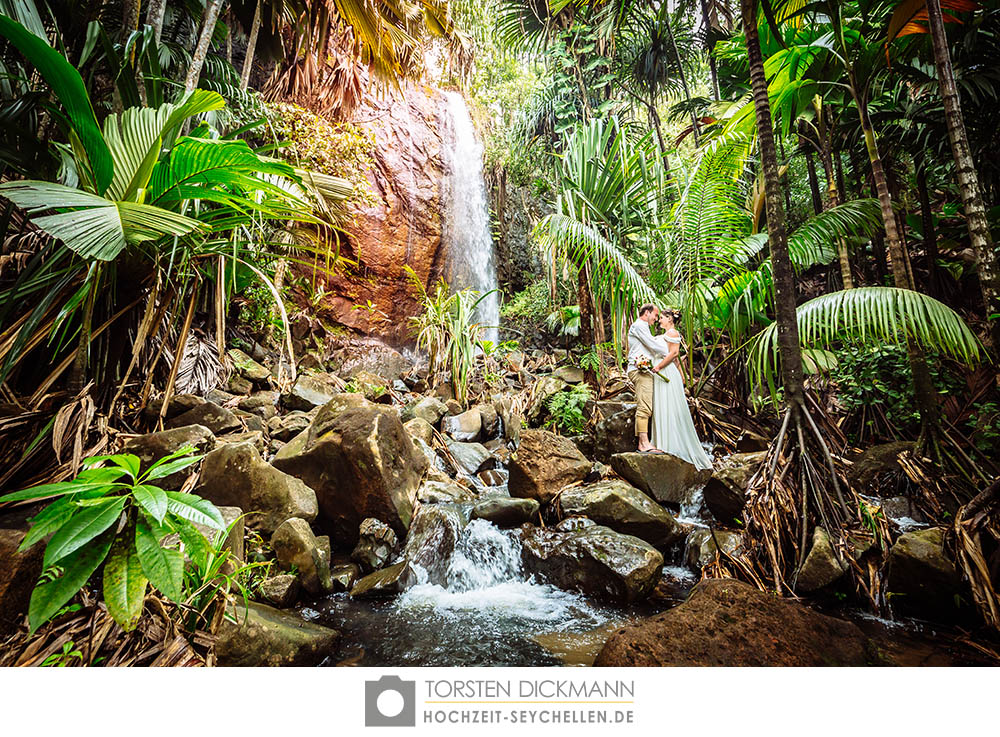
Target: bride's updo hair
[{"x": 675, "y": 315}]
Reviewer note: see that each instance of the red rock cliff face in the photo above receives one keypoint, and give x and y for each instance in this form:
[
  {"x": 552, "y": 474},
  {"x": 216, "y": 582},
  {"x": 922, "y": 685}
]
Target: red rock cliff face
[{"x": 411, "y": 126}]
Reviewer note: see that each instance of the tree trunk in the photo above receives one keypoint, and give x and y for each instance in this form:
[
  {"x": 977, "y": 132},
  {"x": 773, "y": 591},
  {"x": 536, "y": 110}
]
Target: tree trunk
[
  {"x": 817, "y": 200},
  {"x": 706, "y": 20},
  {"x": 832, "y": 192},
  {"x": 154, "y": 17},
  {"x": 251, "y": 48},
  {"x": 130, "y": 18},
  {"x": 586, "y": 321},
  {"x": 210, "y": 18},
  {"x": 784, "y": 275},
  {"x": 927, "y": 224},
  {"x": 968, "y": 181}
]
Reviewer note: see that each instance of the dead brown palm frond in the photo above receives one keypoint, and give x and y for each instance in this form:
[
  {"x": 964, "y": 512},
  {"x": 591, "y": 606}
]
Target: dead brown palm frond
[
  {"x": 71, "y": 428},
  {"x": 200, "y": 368},
  {"x": 977, "y": 550},
  {"x": 86, "y": 635}
]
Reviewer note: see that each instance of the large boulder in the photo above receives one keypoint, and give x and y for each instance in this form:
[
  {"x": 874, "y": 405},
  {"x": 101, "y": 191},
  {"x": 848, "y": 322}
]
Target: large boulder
[
  {"x": 420, "y": 429},
  {"x": 543, "y": 464},
  {"x": 19, "y": 572},
  {"x": 730, "y": 623},
  {"x": 443, "y": 492},
  {"x": 297, "y": 548},
  {"x": 248, "y": 368},
  {"x": 623, "y": 508},
  {"x": 208, "y": 414},
  {"x": 594, "y": 560},
  {"x": 725, "y": 491},
  {"x": 435, "y": 531},
  {"x": 265, "y": 636},
  {"x": 323, "y": 419},
  {"x": 281, "y": 590},
  {"x": 430, "y": 409},
  {"x": 155, "y": 445},
  {"x": 376, "y": 544},
  {"x": 614, "y": 434},
  {"x": 469, "y": 457},
  {"x": 503, "y": 511},
  {"x": 364, "y": 465},
  {"x": 922, "y": 576},
  {"x": 236, "y": 475},
  {"x": 386, "y": 582},
  {"x": 821, "y": 566},
  {"x": 666, "y": 478},
  {"x": 311, "y": 390},
  {"x": 464, "y": 427}
]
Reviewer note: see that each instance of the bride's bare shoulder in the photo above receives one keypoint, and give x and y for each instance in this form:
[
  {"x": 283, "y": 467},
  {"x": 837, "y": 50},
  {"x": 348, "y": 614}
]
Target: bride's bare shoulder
[{"x": 673, "y": 333}]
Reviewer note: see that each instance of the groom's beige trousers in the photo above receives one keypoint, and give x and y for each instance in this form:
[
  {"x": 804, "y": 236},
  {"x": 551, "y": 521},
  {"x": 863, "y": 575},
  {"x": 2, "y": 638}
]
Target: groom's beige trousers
[{"x": 643, "y": 383}]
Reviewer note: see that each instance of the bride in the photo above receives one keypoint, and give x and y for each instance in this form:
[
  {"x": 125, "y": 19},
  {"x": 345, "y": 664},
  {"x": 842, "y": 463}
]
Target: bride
[{"x": 673, "y": 429}]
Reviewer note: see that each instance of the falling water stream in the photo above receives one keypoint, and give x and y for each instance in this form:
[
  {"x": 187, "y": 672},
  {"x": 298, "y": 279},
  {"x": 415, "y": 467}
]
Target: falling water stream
[{"x": 466, "y": 219}]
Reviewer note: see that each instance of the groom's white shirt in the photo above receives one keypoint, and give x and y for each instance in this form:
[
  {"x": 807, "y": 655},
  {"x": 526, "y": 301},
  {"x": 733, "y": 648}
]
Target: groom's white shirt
[{"x": 642, "y": 343}]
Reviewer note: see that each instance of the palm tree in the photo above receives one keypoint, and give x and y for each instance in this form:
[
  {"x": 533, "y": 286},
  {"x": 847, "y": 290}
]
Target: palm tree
[{"x": 965, "y": 173}]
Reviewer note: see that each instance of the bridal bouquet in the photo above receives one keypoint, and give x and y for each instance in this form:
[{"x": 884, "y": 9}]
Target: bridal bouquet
[{"x": 644, "y": 363}]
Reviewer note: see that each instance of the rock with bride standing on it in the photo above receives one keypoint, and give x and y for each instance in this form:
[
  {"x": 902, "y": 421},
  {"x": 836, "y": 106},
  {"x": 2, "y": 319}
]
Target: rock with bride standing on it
[{"x": 666, "y": 478}]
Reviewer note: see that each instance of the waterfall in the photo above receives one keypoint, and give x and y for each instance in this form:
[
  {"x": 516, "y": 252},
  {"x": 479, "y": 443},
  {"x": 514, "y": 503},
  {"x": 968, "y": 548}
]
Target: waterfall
[{"x": 466, "y": 222}]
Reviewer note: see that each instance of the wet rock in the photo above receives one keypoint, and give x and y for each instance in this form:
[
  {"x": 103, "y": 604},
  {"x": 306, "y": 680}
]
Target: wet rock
[
  {"x": 345, "y": 575},
  {"x": 569, "y": 374},
  {"x": 420, "y": 429},
  {"x": 288, "y": 426},
  {"x": 730, "y": 623},
  {"x": 703, "y": 546},
  {"x": 376, "y": 544},
  {"x": 595, "y": 560},
  {"x": 489, "y": 420},
  {"x": 264, "y": 636},
  {"x": 470, "y": 457},
  {"x": 311, "y": 390},
  {"x": 19, "y": 572},
  {"x": 492, "y": 477},
  {"x": 326, "y": 415},
  {"x": 922, "y": 576},
  {"x": 454, "y": 408},
  {"x": 901, "y": 508},
  {"x": 465, "y": 427},
  {"x": 233, "y": 519},
  {"x": 296, "y": 546},
  {"x": 623, "y": 508},
  {"x": 543, "y": 464},
  {"x": 821, "y": 566},
  {"x": 365, "y": 465},
  {"x": 574, "y": 523},
  {"x": 439, "y": 492},
  {"x": 250, "y": 421},
  {"x": 236, "y": 475},
  {"x": 281, "y": 590},
  {"x": 510, "y": 417},
  {"x": 155, "y": 445},
  {"x": 178, "y": 405},
  {"x": 221, "y": 398},
  {"x": 878, "y": 464},
  {"x": 431, "y": 540},
  {"x": 386, "y": 582},
  {"x": 545, "y": 388},
  {"x": 208, "y": 414},
  {"x": 506, "y": 512},
  {"x": 255, "y": 438},
  {"x": 725, "y": 491},
  {"x": 666, "y": 478},
  {"x": 429, "y": 409},
  {"x": 261, "y": 404},
  {"x": 247, "y": 367}
]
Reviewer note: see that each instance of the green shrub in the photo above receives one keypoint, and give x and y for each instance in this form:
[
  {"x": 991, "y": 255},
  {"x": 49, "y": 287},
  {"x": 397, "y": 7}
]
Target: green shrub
[
  {"x": 112, "y": 513},
  {"x": 532, "y": 303},
  {"x": 566, "y": 409}
]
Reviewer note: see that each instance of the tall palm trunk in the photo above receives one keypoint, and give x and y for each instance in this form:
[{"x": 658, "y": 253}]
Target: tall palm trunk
[
  {"x": 927, "y": 225},
  {"x": 832, "y": 192},
  {"x": 251, "y": 48},
  {"x": 968, "y": 181},
  {"x": 784, "y": 275},
  {"x": 586, "y": 319},
  {"x": 683, "y": 77},
  {"x": 706, "y": 19},
  {"x": 154, "y": 17},
  {"x": 209, "y": 20}
]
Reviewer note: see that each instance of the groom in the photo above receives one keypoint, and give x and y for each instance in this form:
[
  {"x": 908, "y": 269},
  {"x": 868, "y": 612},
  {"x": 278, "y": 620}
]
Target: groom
[{"x": 641, "y": 345}]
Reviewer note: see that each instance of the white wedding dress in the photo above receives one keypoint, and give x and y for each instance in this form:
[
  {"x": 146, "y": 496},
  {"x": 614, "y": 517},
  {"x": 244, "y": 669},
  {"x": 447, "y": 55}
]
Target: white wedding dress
[{"x": 673, "y": 428}]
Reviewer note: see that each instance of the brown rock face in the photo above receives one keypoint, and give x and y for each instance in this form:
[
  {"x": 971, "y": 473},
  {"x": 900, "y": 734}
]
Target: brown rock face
[
  {"x": 730, "y": 623},
  {"x": 543, "y": 464},
  {"x": 402, "y": 226},
  {"x": 19, "y": 572}
]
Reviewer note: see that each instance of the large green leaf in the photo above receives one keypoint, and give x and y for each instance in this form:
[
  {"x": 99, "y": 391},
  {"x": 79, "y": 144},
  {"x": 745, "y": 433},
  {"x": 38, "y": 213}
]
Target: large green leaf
[
  {"x": 86, "y": 524},
  {"x": 67, "y": 84},
  {"x": 164, "y": 567},
  {"x": 195, "y": 509},
  {"x": 92, "y": 226},
  {"x": 124, "y": 584},
  {"x": 153, "y": 499},
  {"x": 49, "y": 597}
]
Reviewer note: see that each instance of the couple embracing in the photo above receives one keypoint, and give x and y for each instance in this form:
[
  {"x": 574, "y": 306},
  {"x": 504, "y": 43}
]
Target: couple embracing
[{"x": 659, "y": 388}]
